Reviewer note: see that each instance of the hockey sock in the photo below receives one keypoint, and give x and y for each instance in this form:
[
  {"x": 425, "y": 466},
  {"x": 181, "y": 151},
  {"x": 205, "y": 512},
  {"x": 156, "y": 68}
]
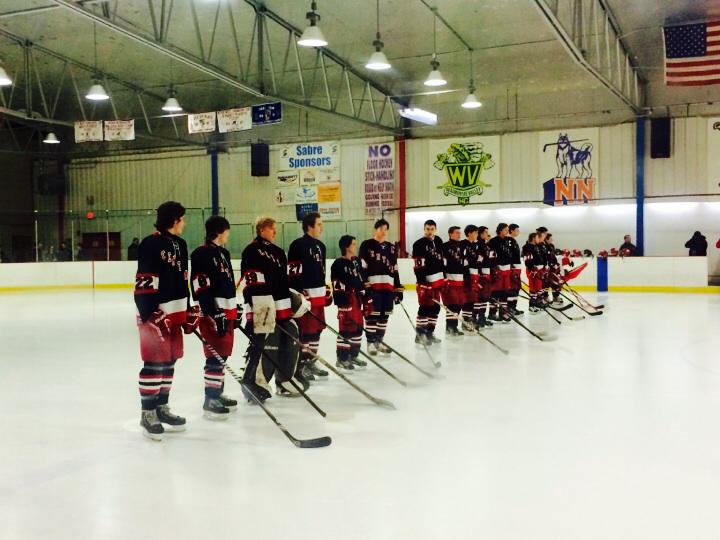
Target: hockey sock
[
  {"x": 342, "y": 346},
  {"x": 150, "y": 380},
  {"x": 381, "y": 327},
  {"x": 432, "y": 323},
  {"x": 371, "y": 323},
  {"x": 214, "y": 376},
  {"x": 452, "y": 316},
  {"x": 168, "y": 373}
]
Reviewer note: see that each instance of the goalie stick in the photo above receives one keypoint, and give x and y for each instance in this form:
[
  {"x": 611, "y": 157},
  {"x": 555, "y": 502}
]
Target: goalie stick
[{"x": 300, "y": 443}]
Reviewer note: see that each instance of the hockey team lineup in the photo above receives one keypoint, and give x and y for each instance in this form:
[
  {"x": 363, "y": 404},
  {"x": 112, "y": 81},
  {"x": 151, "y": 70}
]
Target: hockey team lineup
[{"x": 278, "y": 304}]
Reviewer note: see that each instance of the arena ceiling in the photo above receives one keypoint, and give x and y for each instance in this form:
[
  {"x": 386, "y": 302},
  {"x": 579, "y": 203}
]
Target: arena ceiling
[{"x": 537, "y": 64}]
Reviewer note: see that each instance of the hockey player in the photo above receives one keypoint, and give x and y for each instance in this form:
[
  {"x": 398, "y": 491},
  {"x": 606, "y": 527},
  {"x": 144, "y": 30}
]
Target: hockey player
[
  {"x": 348, "y": 289},
  {"x": 553, "y": 271},
  {"x": 161, "y": 299},
  {"x": 267, "y": 301},
  {"x": 378, "y": 259},
  {"x": 534, "y": 268},
  {"x": 502, "y": 257},
  {"x": 213, "y": 288},
  {"x": 485, "y": 265},
  {"x": 471, "y": 291},
  {"x": 515, "y": 269},
  {"x": 427, "y": 253},
  {"x": 456, "y": 272},
  {"x": 306, "y": 271}
]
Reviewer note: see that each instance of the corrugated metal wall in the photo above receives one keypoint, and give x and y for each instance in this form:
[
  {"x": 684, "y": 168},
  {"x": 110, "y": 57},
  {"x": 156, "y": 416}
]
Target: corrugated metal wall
[{"x": 685, "y": 172}]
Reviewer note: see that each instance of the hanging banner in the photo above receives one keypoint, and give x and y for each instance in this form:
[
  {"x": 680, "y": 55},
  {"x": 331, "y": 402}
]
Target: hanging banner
[
  {"x": 310, "y": 155},
  {"x": 201, "y": 122},
  {"x": 235, "y": 120},
  {"x": 119, "y": 130},
  {"x": 465, "y": 170},
  {"x": 267, "y": 113},
  {"x": 89, "y": 131},
  {"x": 329, "y": 197},
  {"x": 286, "y": 185},
  {"x": 379, "y": 178},
  {"x": 568, "y": 166}
]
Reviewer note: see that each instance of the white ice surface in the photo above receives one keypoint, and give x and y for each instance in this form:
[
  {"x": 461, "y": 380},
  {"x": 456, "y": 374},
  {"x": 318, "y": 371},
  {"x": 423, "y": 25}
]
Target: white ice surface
[{"x": 611, "y": 432}]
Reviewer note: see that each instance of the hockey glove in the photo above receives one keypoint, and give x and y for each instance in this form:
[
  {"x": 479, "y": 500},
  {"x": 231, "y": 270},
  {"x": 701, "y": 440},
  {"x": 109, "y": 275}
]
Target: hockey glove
[
  {"x": 328, "y": 296},
  {"x": 160, "y": 321},
  {"x": 398, "y": 296},
  {"x": 219, "y": 323},
  {"x": 193, "y": 320},
  {"x": 237, "y": 323}
]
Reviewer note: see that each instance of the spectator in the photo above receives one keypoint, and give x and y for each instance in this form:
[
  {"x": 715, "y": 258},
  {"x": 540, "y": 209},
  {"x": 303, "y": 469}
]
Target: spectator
[
  {"x": 697, "y": 245},
  {"x": 64, "y": 254},
  {"x": 627, "y": 249},
  {"x": 83, "y": 254},
  {"x": 132, "y": 254}
]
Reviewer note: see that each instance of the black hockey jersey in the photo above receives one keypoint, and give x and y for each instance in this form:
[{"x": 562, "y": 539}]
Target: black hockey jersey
[
  {"x": 499, "y": 252},
  {"x": 486, "y": 262},
  {"x": 514, "y": 250},
  {"x": 306, "y": 268},
  {"x": 379, "y": 265},
  {"x": 472, "y": 256},
  {"x": 429, "y": 264},
  {"x": 552, "y": 260},
  {"x": 264, "y": 272},
  {"x": 213, "y": 281},
  {"x": 456, "y": 267},
  {"x": 533, "y": 257},
  {"x": 161, "y": 281},
  {"x": 346, "y": 281}
]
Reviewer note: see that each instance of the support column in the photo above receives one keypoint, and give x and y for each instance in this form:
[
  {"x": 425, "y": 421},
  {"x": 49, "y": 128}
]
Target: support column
[
  {"x": 214, "y": 190},
  {"x": 402, "y": 190},
  {"x": 640, "y": 185}
]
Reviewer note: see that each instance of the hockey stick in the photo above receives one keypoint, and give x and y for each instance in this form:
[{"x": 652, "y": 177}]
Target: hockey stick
[
  {"x": 545, "y": 309},
  {"x": 580, "y": 306},
  {"x": 542, "y": 336},
  {"x": 300, "y": 443},
  {"x": 413, "y": 364},
  {"x": 582, "y": 299},
  {"x": 364, "y": 354},
  {"x": 427, "y": 351},
  {"x": 289, "y": 378},
  {"x": 376, "y": 401},
  {"x": 490, "y": 341}
]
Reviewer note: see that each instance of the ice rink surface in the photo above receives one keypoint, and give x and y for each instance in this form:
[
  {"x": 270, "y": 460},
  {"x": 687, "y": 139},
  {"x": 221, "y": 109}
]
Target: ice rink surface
[{"x": 611, "y": 432}]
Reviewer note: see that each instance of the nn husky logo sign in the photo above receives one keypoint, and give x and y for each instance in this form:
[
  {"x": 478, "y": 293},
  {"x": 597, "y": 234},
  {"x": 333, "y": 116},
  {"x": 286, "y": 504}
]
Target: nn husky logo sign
[
  {"x": 464, "y": 165},
  {"x": 573, "y": 182}
]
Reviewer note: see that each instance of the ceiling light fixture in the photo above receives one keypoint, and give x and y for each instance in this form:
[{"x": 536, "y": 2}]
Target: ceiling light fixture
[
  {"x": 435, "y": 78},
  {"x": 171, "y": 103},
  {"x": 5, "y": 79},
  {"x": 471, "y": 102},
  {"x": 312, "y": 36},
  {"x": 419, "y": 115},
  {"x": 378, "y": 61},
  {"x": 96, "y": 92},
  {"x": 51, "y": 138}
]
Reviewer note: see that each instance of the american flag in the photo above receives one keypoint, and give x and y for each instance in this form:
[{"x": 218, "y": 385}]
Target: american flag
[{"x": 692, "y": 54}]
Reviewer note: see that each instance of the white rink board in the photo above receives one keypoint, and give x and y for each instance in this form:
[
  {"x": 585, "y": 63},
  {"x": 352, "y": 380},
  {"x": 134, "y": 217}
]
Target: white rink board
[{"x": 627, "y": 272}]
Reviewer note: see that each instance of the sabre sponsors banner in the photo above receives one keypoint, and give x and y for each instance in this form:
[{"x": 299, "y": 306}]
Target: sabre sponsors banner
[
  {"x": 379, "y": 178},
  {"x": 88, "y": 131},
  {"x": 119, "y": 130},
  {"x": 569, "y": 166},
  {"x": 310, "y": 156},
  {"x": 465, "y": 170}
]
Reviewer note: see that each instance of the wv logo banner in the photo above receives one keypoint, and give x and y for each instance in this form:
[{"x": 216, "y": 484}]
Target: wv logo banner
[{"x": 464, "y": 165}]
